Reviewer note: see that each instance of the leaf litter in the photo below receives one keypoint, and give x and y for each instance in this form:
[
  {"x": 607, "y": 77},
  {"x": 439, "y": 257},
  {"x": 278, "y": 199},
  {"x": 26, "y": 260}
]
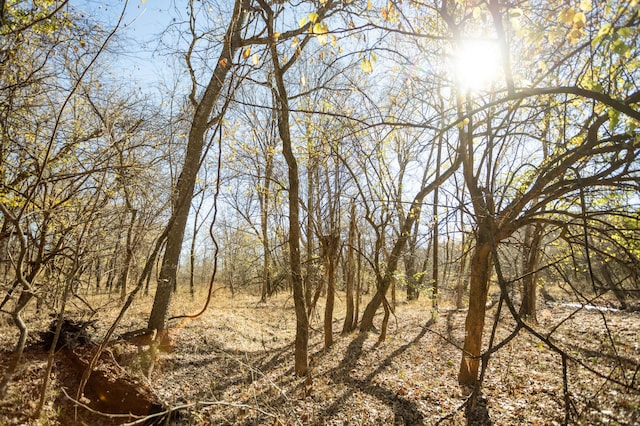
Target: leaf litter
[{"x": 234, "y": 366}]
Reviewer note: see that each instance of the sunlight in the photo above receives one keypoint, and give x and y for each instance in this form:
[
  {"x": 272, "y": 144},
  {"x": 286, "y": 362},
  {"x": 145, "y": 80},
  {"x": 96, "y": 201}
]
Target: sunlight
[{"x": 477, "y": 64}]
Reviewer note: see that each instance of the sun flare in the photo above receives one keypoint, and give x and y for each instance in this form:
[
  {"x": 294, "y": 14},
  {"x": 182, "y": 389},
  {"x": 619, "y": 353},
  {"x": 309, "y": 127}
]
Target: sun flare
[{"x": 477, "y": 64}]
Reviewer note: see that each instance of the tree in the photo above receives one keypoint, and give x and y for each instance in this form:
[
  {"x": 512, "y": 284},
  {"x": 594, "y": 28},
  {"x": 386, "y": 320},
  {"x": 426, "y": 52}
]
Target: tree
[
  {"x": 204, "y": 106},
  {"x": 58, "y": 169},
  {"x": 589, "y": 150},
  {"x": 351, "y": 315}
]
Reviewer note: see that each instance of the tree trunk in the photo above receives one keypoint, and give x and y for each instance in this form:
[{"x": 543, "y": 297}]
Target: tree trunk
[
  {"x": 186, "y": 181},
  {"x": 301, "y": 365},
  {"x": 330, "y": 245},
  {"x": 412, "y": 278},
  {"x": 410, "y": 270},
  {"x": 356, "y": 313},
  {"x": 309, "y": 279},
  {"x": 460, "y": 286},
  {"x": 349, "y": 321},
  {"x": 531, "y": 258},
  {"x": 98, "y": 272},
  {"x": 124, "y": 274},
  {"x": 264, "y": 198},
  {"x": 413, "y": 215},
  {"x": 111, "y": 274},
  {"x": 23, "y": 301},
  {"x": 474, "y": 324},
  {"x": 436, "y": 237}
]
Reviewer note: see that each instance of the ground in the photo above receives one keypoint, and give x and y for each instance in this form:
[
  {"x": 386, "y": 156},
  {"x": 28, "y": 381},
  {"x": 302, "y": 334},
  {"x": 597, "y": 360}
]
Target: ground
[{"x": 234, "y": 365}]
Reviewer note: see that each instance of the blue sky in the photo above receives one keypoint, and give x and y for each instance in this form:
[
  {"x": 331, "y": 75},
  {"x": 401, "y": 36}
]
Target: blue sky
[{"x": 141, "y": 62}]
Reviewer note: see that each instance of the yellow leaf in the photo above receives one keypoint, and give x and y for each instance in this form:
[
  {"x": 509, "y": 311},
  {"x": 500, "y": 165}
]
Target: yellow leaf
[
  {"x": 313, "y": 17},
  {"x": 255, "y": 59},
  {"x": 566, "y": 16},
  {"x": 322, "y": 39},
  {"x": 477, "y": 12},
  {"x": 303, "y": 21},
  {"x": 303, "y": 81},
  {"x": 575, "y": 35},
  {"x": 585, "y": 5},
  {"x": 515, "y": 13},
  {"x": 369, "y": 5},
  {"x": 366, "y": 66},
  {"x": 515, "y": 23},
  {"x": 223, "y": 62},
  {"x": 295, "y": 41},
  {"x": 246, "y": 53},
  {"x": 579, "y": 20},
  {"x": 276, "y": 36},
  {"x": 320, "y": 28}
]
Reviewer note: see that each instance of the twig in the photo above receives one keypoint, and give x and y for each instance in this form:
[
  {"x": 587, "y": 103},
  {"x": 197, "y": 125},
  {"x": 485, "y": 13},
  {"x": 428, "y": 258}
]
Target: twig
[{"x": 199, "y": 404}]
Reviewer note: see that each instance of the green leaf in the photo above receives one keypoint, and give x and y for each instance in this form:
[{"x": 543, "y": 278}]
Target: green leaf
[
  {"x": 614, "y": 118},
  {"x": 621, "y": 48}
]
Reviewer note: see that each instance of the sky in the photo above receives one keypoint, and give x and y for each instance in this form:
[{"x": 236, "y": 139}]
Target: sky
[{"x": 144, "y": 21}]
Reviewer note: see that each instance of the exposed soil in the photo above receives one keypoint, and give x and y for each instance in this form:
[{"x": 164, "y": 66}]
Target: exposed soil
[{"x": 234, "y": 365}]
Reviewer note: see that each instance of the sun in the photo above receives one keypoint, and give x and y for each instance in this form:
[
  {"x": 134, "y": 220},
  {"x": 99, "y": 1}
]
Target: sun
[{"x": 477, "y": 64}]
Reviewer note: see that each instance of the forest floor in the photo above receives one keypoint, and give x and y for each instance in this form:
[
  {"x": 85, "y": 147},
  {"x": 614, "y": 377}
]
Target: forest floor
[{"x": 234, "y": 366}]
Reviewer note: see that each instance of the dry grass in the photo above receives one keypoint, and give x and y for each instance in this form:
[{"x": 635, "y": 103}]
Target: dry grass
[{"x": 234, "y": 365}]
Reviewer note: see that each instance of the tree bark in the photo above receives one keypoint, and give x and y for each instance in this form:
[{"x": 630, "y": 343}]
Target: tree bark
[
  {"x": 124, "y": 274},
  {"x": 330, "y": 244},
  {"x": 25, "y": 297},
  {"x": 349, "y": 321},
  {"x": 460, "y": 285},
  {"x": 531, "y": 257},
  {"x": 474, "y": 324},
  {"x": 264, "y": 195}
]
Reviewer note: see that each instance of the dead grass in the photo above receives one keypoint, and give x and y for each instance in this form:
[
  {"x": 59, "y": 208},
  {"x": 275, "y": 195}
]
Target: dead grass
[{"x": 234, "y": 365}]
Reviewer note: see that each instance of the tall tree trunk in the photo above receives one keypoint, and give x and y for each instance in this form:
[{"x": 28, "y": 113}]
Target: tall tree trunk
[
  {"x": 264, "y": 195},
  {"x": 480, "y": 260},
  {"x": 200, "y": 124},
  {"x": 301, "y": 364},
  {"x": 349, "y": 320},
  {"x": 474, "y": 324},
  {"x": 436, "y": 236},
  {"x": 411, "y": 266},
  {"x": 460, "y": 286},
  {"x": 113, "y": 262},
  {"x": 531, "y": 258},
  {"x": 124, "y": 274},
  {"x": 435, "y": 258},
  {"x": 356, "y": 313},
  {"x": 330, "y": 245},
  {"x": 309, "y": 279},
  {"x": 98, "y": 271}
]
